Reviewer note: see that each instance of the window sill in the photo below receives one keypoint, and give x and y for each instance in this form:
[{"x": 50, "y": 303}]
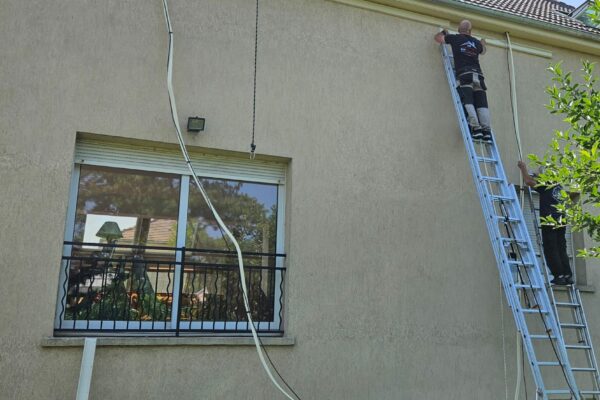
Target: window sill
[{"x": 53, "y": 341}]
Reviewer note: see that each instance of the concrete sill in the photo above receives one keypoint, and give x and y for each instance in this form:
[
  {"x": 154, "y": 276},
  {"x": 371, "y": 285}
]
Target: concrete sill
[{"x": 53, "y": 341}]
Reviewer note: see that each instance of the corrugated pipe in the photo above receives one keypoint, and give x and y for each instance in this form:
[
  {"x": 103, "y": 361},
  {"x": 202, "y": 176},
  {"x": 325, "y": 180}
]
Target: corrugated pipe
[{"x": 515, "y": 112}]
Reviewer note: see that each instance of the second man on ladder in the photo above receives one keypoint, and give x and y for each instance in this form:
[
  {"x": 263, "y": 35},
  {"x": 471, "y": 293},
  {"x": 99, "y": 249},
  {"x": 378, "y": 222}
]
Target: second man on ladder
[{"x": 466, "y": 50}]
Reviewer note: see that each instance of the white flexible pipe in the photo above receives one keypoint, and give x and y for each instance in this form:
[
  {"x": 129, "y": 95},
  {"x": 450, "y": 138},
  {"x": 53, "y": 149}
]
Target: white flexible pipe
[
  {"x": 212, "y": 209},
  {"x": 513, "y": 94}
]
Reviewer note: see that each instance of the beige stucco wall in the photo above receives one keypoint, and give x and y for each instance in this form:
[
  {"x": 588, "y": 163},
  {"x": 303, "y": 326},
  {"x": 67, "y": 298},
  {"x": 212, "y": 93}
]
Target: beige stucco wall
[{"x": 392, "y": 287}]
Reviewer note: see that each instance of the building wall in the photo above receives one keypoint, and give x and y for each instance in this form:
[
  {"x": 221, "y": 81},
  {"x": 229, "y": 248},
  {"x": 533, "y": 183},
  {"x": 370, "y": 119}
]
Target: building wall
[{"x": 392, "y": 290}]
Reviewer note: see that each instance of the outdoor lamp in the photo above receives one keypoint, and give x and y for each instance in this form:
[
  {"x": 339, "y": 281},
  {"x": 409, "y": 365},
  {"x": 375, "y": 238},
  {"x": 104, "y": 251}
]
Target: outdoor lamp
[
  {"x": 110, "y": 231},
  {"x": 195, "y": 124}
]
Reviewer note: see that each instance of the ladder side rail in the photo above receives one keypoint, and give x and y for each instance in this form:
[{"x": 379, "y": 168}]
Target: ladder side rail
[
  {"x": 550, "y": 317},
  {"x": 505, "y": 273},
  {"x": 574, "y": 297},
  {"x": 475, "y": 170},
  {"x": 591, "y": 355}
]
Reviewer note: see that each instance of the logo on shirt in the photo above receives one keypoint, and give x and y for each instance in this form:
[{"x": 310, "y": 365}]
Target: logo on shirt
[
  {"x": 556, "y": 193},
  {"x": 469, "y": 49}
]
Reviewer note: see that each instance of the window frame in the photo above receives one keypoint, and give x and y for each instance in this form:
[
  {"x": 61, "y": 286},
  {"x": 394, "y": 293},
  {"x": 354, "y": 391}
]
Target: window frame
[{"x": 160, "y": 327}]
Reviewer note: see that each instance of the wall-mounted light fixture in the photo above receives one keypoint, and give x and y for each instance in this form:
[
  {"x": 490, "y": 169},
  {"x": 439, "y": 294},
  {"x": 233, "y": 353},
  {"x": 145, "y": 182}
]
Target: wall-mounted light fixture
[{"x": 195, "y": 124}]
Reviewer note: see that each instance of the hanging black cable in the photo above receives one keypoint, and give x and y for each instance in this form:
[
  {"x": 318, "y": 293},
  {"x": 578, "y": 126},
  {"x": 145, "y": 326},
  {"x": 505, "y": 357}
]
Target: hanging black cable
[{"x": 252, "y": 144}]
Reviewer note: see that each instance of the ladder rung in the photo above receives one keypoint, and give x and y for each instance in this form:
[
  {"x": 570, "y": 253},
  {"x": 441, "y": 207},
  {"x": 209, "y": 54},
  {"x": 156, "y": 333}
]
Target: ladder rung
[
  {"x": 487, "y": 160},
  {"x": 513, "y": 240},
  {"x": 568, "y": 391},
  {"x": 558, "y": 391},
  {"x": 520, "y": 263},
  {"x": 542, "y": 337},
  {"x": 558, "y": 304},
  {"x": 506, "y": 219},
  {"x": 492, "y": 178},
  {"x": 524, "y": 286},
  {"x": 548, "y": 363},
  {"x": 578, "y": 347},
  {"x": 583, "y": 369},
  {"x": 496, "y": 197},
  {"x": 533, "y": 311},
  {"x": 572, "y": 326}
]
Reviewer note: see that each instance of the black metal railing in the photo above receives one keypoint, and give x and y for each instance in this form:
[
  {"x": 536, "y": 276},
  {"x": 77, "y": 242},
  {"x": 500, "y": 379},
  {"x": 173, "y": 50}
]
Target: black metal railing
[{"x": 109, "y": 289}]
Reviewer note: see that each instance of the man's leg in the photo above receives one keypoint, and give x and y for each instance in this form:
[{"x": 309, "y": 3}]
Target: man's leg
[
  {"x": 551, "y": 251},
  {"x": 481, "y": 105},
  {"x": 562, "y": 252},
  {"x": 466, "y": 92}
]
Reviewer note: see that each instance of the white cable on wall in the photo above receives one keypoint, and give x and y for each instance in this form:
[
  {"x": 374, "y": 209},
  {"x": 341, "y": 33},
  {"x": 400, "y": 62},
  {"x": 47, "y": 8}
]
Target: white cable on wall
[
  {"x": 210, "y": 206},
  {"x": 513, "y": 102}
]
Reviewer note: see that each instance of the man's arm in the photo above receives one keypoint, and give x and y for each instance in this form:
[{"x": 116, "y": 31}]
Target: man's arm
[
  {"x": 440, "y": 37},
  {"x": 527, "y": 179},
  {"x": 483, "y": 46}
]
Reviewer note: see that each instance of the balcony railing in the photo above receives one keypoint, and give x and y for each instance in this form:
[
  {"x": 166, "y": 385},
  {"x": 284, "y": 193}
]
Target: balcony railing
[{"x": 125, "y": 289}]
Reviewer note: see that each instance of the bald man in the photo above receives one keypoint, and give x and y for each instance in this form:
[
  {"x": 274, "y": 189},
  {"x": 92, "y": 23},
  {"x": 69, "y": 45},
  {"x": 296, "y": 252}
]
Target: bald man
[{"x": 466, "y": 50}]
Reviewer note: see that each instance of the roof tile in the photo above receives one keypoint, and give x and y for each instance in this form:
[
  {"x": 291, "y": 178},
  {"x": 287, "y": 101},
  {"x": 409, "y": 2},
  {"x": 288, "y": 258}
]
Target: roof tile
[{"x": 548, "y": 11}]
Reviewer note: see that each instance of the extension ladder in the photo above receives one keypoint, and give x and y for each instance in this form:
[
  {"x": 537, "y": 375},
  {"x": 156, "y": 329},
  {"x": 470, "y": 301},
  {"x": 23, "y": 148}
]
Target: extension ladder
[
  {"x": 570, "y": 314},
  {"x": 521, "y": 276}
]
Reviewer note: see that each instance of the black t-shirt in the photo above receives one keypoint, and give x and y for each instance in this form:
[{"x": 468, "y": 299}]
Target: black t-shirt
[
  {"x": 549, "y": 198},
  {"x": 466, "y": 50}
]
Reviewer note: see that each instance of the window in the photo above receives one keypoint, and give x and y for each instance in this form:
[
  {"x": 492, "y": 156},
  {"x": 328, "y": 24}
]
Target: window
[{"x": 144, "y": 253}]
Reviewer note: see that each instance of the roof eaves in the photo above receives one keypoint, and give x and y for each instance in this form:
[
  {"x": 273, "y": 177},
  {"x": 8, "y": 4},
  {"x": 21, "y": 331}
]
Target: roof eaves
[{"x": 518, "y": 19}]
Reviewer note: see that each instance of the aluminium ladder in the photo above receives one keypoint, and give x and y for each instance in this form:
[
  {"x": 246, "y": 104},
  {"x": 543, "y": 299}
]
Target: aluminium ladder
[
  {"x": 519, "y": 270},
  {"x": 572, "y": 321}
]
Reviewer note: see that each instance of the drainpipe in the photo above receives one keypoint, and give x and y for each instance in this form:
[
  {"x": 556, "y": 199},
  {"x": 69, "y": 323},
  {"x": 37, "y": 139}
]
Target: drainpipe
[{"x": 87, "y": 365}]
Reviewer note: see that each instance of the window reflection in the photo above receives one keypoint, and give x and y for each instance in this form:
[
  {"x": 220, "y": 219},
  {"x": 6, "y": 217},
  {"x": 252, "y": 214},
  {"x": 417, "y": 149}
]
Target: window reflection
[
  {"x": 123, "y": 207},
  {"x": 211, "y": 289},
  {"x": 249, "y": 210}
]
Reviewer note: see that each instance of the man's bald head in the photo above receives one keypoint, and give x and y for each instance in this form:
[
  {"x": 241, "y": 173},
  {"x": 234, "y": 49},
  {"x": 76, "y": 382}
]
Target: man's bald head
[{"x": 464, "y": 26}]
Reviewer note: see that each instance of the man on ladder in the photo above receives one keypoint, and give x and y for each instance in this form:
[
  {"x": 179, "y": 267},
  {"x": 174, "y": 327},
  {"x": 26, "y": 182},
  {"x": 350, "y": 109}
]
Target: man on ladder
[
  {"x": 553, "y": 238},
  {"x": 466, "y": 50}
]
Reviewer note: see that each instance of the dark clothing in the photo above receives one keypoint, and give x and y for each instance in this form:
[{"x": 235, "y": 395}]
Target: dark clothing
[
  {"x": 553, "y": 239},
  {"x": 466, "y": 50},
  {"x": 549, "y": 198},
  {"x": 555, "y": 251}
]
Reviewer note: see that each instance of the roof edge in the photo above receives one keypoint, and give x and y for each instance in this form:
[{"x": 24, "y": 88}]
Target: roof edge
[{"x": 500, "y": 22}]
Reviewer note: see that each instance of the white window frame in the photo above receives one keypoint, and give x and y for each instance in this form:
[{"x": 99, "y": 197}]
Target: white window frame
[{"x": 120, "y": 156}]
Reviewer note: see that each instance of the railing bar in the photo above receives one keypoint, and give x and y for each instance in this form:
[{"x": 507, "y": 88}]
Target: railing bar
[
  {"x": 227, "y": 297},
  {"x": 179, "y": 291},
  {"x": 281, "y": 299},
  {"x": 63, "y": 300},
  {"x": 259, "y": 300},
  {"x": 204, "y": 301},
  {"x": 130, "y": 289},
  {"x": 191, "y": 297},
  {"x": 174, "y": 249},
  {"x": 237, "y": 300},
  {"x": 172, "y": 297},
  {"x": 154, "y": 303},
  {"x": 160, "y": 262},
  {"x": 215, "y": 309}
]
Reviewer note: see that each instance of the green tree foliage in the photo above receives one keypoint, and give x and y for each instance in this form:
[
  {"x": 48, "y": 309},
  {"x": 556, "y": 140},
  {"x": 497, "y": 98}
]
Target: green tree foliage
[{"x": 572, "y": 157}]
